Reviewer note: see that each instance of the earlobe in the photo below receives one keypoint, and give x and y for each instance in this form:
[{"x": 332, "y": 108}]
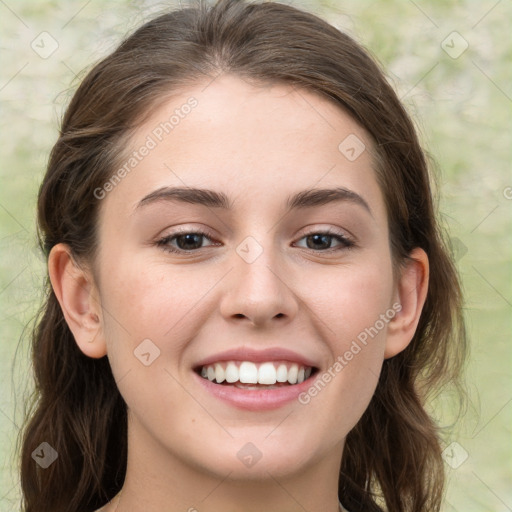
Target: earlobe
[
  {"x": 411, "y": 294},
  {"x": 75, "y": 290}
]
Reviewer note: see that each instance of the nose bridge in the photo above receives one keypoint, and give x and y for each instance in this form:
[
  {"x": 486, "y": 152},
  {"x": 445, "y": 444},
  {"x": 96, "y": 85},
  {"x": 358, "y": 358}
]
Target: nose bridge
[{"x": 256, "y": 289}]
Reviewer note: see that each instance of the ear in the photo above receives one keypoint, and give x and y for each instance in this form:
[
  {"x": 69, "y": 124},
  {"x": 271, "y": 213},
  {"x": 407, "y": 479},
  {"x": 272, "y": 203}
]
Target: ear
[
  {"x": 78, "y": 298},
  {"x": 411, "y": 293}
]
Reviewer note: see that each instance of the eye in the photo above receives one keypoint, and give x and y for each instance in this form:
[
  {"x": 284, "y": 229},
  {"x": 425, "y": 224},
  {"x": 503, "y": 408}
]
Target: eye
[
  {"x": 322, "y": 240},
  {"x": 186, "y": 241}
]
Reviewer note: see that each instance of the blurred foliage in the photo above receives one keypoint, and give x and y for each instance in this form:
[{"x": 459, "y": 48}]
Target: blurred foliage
[{"x": 462, "y": 109}]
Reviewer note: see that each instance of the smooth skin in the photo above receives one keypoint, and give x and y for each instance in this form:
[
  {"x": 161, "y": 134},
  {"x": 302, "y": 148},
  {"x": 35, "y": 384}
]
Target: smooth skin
[{"x": 258, "y": 146}]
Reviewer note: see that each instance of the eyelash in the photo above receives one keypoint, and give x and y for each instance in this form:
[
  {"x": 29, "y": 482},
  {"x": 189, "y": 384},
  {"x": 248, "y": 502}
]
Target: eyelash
[{"x": 164, "y": 242}]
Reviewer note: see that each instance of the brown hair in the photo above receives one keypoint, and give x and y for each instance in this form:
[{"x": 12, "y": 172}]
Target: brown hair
[{"x": 392, "y": 458}]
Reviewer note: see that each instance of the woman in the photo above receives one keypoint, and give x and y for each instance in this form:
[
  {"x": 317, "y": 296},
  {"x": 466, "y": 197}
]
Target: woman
[{"x": 249, "y": 297}]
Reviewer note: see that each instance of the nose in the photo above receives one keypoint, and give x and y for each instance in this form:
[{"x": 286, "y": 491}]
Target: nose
[{"x": 259, "y": 292}]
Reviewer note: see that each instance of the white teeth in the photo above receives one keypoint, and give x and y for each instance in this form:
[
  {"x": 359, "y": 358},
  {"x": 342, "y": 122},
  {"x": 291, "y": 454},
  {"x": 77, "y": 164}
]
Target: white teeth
[
  {"x": 267, "y": 374},
  {"x": 220, "y": 374},
  {"x": 282, "y": 373},
  {"x": 293, "y": 373},
  {"x": 247, "y": 372},
  {"x": 232, "y": 372}
]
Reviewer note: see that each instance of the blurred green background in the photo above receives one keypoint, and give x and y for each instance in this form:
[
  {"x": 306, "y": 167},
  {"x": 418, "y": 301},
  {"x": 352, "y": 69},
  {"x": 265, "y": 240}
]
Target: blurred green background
[{"x": 449, "y": 62}]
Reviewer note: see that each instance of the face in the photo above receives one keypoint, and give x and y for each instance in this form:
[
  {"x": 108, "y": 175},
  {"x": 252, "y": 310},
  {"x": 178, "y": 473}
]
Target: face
[{"x": 286, "y": 295}]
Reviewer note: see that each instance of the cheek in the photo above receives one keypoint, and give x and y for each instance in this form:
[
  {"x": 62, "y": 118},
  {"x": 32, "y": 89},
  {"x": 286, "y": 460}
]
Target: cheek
[
  {"x": 355, "y": 311},
  {"x": 154, "y": 309},
  {"x": 148, "y": 300},
  {"x": 146, "y": 310},
  {"x": 354, "y": 299}
]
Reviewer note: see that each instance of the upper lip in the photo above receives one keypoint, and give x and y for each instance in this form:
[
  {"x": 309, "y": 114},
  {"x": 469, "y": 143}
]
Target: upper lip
[{"x": 258, "y": 356}]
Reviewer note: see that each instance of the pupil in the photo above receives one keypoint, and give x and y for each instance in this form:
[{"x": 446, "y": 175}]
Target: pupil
[
  {"x": 317, "y": 238},
  {"x": 189, "y": 239}
]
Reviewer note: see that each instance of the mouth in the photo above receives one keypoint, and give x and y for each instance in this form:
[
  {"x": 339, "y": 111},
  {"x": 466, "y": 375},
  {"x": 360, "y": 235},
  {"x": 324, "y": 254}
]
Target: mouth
[
  {"x": 256, "y": 380},
  {"x": 252, "y": 376},
  {"x": 255, "y": 386}
]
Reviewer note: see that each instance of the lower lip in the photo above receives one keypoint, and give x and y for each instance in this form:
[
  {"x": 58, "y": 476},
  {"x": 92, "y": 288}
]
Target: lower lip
[{"x": 255, "y": 399}]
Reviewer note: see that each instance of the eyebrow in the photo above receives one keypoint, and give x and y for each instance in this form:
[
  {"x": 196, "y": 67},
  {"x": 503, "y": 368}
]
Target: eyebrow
[{"x": 212, "y": 199}]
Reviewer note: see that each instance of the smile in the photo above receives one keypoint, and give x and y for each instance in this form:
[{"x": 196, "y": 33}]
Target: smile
[
  {"x": 255, "y": 386},
  {"x": 256, "y": 380},
  {"x": 242, "y": 374}
]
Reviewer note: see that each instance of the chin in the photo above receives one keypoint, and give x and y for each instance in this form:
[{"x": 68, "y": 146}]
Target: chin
[{"x": 252, "y": 458}]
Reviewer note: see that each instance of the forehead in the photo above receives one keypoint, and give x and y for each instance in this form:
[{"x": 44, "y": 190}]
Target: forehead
[{"x": 247, "y": 140}]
